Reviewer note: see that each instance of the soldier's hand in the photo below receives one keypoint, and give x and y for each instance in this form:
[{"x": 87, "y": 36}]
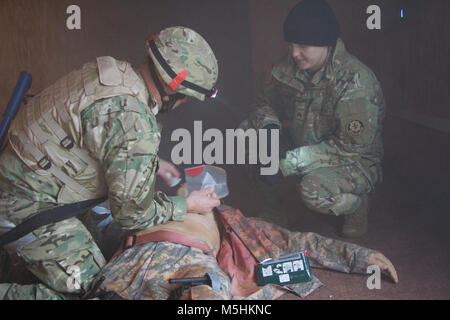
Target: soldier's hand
[
  {"x": 168, "y": 172},
  {"x": 202, "y": 201},
  {"x": 385, "y": 265}
]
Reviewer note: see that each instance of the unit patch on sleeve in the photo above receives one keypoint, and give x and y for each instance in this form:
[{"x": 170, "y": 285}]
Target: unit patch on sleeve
[{"x": 355, "y": 127}]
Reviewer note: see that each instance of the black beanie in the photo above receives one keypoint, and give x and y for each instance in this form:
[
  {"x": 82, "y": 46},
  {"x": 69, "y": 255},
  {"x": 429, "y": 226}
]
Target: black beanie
[{"x": 312, "y": 22}]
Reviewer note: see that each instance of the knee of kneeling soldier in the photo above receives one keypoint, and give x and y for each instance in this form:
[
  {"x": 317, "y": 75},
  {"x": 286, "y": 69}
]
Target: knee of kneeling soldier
[{"x": 314, "y": 195}]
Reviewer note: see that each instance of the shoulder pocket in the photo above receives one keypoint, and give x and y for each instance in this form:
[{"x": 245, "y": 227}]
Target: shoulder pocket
[{"x": 109, "y": 72}]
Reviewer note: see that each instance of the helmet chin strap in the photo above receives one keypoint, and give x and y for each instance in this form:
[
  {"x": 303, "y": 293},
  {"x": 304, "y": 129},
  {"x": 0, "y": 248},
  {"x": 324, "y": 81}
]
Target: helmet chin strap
[{"x": 173, "y": 98}]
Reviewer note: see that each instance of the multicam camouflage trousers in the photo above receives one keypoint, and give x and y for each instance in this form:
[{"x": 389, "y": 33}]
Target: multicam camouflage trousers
[
  {"x": 336, "y": 190},
  {"x": 332, "y": 190},
  {"x": 143, "y": 272},
  {"x": 63, "y": 256},
  {"x": 328, "y": 190}
]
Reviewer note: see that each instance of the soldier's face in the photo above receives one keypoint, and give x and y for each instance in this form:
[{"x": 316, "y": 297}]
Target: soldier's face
[
  {"x": 172, "y": 101},
  {"x": 170, "y": 98},
  {"x": 309, "y": 58}
]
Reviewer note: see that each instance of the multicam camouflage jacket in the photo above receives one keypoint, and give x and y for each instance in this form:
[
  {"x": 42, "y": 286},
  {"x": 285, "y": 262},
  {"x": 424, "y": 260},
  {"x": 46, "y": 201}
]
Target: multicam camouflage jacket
[
  {"x": 119, "y": 132},
  {"x": 332, "y": 118},
  {"x": 128, "y": 150}
]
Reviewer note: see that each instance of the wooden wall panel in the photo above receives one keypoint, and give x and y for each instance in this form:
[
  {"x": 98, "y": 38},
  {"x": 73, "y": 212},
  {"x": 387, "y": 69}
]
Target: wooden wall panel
[
  {"x": 30, "y": 36},
  {"x": 426, "y": 60},
  {"x": 34, "y": 37},
  {"x": 411, "y": 60}
]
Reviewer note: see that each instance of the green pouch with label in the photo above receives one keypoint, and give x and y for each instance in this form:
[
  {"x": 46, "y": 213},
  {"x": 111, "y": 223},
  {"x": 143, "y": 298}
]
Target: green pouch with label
[{"x": 289, "y": 269}]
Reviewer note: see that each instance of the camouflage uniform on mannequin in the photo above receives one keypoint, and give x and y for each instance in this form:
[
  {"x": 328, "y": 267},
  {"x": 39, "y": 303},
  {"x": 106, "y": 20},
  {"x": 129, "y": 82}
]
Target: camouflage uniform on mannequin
[
  {"x": 330, "y": 109},
  {"x": 227, "y": 244},
  {"x": 94, "y": 134}
]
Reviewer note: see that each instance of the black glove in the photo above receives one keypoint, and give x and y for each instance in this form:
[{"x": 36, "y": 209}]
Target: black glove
[
  {"x": 272, "y": 180},
  {"x": 283, "y": 147},
  {"x": 286, "y": 143},
  {"x": 283, "y": 143},
  {"x": 269, "y": 129}
]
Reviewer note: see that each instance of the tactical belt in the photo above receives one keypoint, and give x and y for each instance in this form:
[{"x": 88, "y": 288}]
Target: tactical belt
[{"x": 47, "y": 217}]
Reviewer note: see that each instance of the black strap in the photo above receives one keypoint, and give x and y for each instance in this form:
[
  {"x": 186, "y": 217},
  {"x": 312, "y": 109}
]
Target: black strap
[
  {"x": 173, "y": 75},
  {"x": 173, "y": 98},
  {"x": 46, "y": 217},
  {"x": 159, "y": 87},
  {"x": 95, "y": 292}
]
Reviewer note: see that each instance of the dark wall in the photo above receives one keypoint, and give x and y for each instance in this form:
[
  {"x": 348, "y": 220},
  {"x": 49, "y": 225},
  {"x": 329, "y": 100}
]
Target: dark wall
[
  {"x": 34, "y": 37},
  {"x": 409, "y": 56}
]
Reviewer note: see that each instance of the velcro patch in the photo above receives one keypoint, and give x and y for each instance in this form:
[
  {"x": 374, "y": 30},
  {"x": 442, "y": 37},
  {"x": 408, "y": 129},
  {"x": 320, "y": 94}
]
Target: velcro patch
[
  {"x": 109, "y": 73},
  {"x": 355, "y": 127}
]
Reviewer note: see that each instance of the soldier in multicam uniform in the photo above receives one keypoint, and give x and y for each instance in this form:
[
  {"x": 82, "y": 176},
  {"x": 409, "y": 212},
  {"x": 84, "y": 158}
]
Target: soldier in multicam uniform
[
  {"x": 330, "y": 110},
  {"x": 227, "y": 244},
  {"x": 94, "y": 134}
]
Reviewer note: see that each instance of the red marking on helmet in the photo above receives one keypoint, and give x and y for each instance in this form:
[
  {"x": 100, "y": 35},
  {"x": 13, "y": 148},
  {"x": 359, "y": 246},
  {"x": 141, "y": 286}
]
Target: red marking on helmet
[
  {"x": 193, "y": 172},
  {"x": 151, "y": 38},
  {"x": 214, "y": 95},
  {"x": 178, "y": 79}
]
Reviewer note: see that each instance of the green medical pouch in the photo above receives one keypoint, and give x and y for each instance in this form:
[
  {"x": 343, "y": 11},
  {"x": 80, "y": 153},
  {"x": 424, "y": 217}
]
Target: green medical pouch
[{"x": 289, "y": 269}]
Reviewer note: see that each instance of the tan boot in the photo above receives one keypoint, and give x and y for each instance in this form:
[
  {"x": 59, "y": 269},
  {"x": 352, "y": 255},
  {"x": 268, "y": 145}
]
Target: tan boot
[{"x": 356, "y": 224}]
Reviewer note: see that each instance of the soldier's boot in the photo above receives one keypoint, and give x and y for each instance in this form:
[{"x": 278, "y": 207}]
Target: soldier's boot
[{"x": 356, "y": 224}]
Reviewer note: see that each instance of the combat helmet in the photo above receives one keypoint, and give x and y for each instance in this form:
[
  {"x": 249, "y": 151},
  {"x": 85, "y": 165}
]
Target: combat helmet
[{"x": 185, "y": 61}]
